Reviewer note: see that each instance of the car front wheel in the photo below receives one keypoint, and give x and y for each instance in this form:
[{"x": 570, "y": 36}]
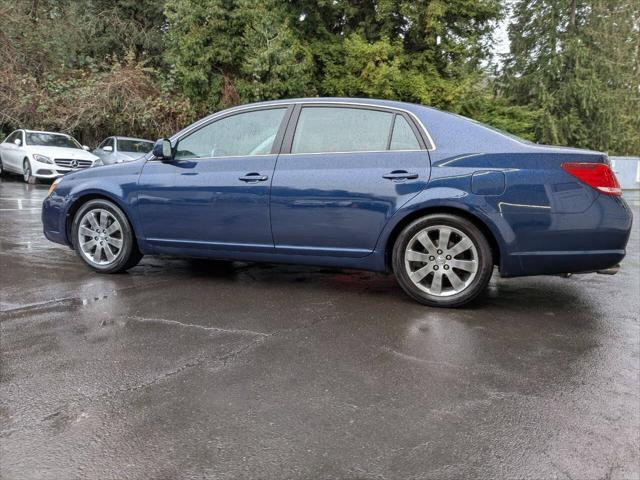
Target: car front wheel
[
  {"x": 103, "y": 238},
  {"x": 442, "y": 260},
  {"x": 27, "y": 174}
]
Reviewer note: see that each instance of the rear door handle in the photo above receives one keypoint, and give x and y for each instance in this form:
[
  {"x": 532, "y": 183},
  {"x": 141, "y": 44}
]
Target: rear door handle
[
  {"x": 400, "y": 175},
  {"x": 253, "y": 177}
]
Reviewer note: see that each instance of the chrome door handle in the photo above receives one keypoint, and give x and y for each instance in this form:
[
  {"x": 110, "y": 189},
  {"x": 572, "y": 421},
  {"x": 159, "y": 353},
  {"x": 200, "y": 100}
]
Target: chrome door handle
[
  {"x": 400, "y": 175},
  {"x": 253, "y": 177}
]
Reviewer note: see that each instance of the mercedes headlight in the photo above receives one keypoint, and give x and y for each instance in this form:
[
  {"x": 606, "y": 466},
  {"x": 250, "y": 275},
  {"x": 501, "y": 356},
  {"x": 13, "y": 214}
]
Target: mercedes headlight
[{"x": 42, "y": 158}]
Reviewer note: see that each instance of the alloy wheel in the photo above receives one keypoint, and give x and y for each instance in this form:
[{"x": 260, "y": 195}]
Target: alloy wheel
[
  {"x": 441, "y": 260},
  {"x": 26, "y": 171},
  {"x": 100, "y": 237}
]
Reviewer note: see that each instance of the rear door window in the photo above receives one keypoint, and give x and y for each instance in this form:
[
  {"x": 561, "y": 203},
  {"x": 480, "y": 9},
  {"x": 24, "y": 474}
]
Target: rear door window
[{"x": 340, "y": 129}]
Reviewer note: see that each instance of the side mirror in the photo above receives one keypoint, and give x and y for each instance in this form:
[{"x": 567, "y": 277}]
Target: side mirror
[
  {"x": 162, "y": 149},
  {"x": 108, "y": 148},
  {"x": 18, "y": 142},
  {"x": 85, "y": 147}
]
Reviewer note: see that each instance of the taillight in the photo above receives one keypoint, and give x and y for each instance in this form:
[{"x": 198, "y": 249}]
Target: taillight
[{"x": 596, "y": 175}]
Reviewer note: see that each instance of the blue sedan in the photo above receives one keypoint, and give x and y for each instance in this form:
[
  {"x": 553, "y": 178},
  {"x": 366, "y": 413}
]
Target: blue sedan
[{"x": 435, "y": 198}]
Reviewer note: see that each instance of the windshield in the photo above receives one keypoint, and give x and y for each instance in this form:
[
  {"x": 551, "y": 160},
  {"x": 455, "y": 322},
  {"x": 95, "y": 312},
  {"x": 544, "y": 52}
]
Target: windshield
[
  {"x": 51, "y": 140},
  {"x": 135, "y": 146}
]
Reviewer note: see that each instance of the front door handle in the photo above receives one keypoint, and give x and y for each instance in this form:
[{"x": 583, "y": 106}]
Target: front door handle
[
  {"x": 400, "y": 175},
  {"x": 253, "y": 177}
]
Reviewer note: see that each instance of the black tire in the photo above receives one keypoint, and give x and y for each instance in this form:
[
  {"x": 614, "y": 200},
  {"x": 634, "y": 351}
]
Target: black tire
[
  {"x": 128, "y": 256},
  {"x": 1, "y": 167},
  {"x": 27, "y": 174},
  {"x": 481, "y": 254}
]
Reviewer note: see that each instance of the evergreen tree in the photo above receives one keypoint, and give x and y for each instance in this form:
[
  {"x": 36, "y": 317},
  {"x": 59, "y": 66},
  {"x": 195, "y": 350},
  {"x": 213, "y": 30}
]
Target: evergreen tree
[
  {"x": 230, "y": 51},
  {"x": 426, "y": 51},
  {"x": 578, "y": 63}
]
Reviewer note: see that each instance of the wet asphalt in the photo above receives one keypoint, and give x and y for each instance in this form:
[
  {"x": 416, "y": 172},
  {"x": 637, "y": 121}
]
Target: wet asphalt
[{"x": 193, "y": 369}]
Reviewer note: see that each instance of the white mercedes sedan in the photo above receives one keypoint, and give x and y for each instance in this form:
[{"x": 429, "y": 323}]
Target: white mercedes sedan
[{"x": 43, "y": 155}]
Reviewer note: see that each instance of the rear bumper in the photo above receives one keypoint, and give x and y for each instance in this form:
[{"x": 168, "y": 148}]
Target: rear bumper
[
  {"x": 550, "y": 244},
  {"x": 559, "y": 262}
]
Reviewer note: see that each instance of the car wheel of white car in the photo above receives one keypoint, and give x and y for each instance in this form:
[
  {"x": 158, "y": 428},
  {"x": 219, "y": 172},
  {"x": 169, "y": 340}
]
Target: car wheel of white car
[
  {"x": 1, "y": 170},
  {"x": 27, "y": 174}
]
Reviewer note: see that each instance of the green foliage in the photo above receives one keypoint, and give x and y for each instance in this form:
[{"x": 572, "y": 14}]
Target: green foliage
[
  {"x": 87, "y": 67},
  {"x": 148, "y": 67},
  {"x": 497, "y": 112},
  {"x": 577, "y": 62},
  {"x": 357, "y": 68},
  {"x": 230, "y": 51},
  {"x": 276, "y": 64},
  {"x": 225, "y": 52}
]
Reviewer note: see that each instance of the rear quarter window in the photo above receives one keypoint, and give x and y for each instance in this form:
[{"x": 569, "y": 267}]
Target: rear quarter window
[{"x": 403, "y": 137}]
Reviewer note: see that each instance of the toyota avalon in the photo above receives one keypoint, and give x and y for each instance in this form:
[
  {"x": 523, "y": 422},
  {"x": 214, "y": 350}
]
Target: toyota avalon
[{"x": 435, "y": 198}]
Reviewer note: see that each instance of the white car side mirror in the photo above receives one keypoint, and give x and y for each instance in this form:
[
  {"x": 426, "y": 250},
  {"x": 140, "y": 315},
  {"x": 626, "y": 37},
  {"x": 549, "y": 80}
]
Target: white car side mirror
[
  {"x": 108, "y": 148},
  {"x": 84, "y": 147},
  {"x": 18, "y": 142}
]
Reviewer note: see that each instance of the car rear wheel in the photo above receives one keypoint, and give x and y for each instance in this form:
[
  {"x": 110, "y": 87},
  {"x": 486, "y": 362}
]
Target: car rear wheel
[
  {"x": 103, "y": 238},
  {"x": 27, "y": 174},
  {"x": 442, "y": 260}
]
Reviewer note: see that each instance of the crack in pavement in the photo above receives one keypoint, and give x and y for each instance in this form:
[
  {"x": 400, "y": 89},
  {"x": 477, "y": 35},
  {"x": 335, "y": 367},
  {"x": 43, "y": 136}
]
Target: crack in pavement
[
  {"x": 193, "y": 325},
  {"x": 411, "y": 358}
]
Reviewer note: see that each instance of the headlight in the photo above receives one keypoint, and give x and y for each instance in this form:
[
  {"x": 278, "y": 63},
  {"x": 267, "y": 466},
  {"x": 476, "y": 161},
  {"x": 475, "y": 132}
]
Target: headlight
[
  {"x": 42, "y": 158},
  {"x": 54, "y": 185},
  {"x": 98, "y": 163}
]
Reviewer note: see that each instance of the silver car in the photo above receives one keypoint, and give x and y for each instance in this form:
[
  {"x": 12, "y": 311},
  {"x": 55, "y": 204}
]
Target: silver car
[{"x": 122, "y": 149}]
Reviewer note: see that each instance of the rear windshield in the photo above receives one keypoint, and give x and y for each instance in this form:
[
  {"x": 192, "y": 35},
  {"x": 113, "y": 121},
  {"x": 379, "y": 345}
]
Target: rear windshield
[
  {"x": 497, "y": 130},
  {"x": 51, "y": 140},
  {"x": 135, "y": 146}
]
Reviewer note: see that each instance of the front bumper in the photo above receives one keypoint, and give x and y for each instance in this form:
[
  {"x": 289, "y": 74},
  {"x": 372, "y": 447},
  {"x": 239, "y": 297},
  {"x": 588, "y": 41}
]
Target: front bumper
[
  {"x": 54, "y": 219},
  {"x": 47, "y": 171}
]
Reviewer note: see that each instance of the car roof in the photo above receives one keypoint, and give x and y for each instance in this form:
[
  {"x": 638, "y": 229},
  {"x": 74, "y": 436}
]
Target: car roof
[
  {"x": 43, "y": 131},
  {"x": 373, "y": 102},
  {"x": 118, "y": 137}
]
